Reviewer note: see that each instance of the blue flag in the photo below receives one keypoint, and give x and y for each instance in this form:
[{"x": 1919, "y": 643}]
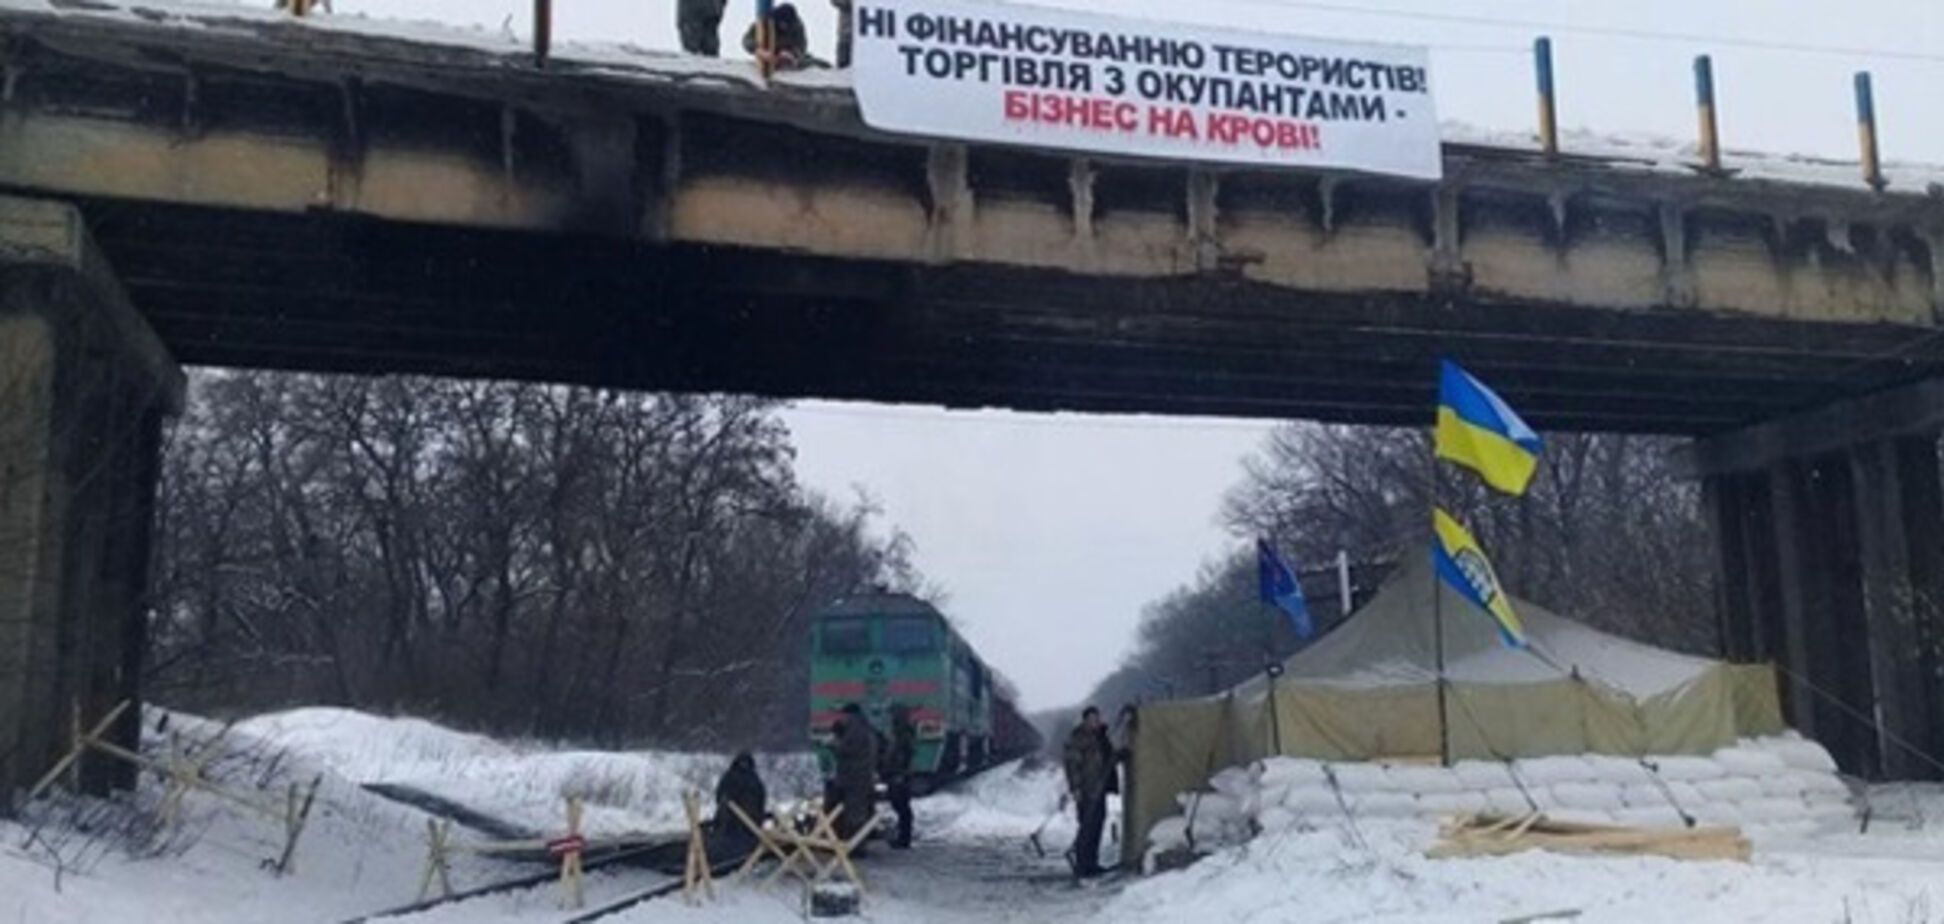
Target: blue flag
[{"x": 1279, "y": 588}]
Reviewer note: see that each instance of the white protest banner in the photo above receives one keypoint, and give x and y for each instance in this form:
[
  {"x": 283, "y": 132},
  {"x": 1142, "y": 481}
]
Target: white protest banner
[{"x": 984, "y": 71}]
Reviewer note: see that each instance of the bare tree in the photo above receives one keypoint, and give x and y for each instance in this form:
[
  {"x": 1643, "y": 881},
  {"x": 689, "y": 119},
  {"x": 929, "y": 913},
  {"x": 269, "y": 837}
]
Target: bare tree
[
  {"x": 536, "y": 559},
  {"x": 1606, "y": 534}
]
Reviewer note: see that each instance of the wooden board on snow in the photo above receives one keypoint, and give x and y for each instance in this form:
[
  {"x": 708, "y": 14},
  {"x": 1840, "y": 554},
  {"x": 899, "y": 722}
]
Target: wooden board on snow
[{"x": 1496, "y": 835}]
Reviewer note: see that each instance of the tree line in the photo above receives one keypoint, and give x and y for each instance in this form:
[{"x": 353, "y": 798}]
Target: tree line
[
  {"x": 567, "y": 562},
  {"x": 1607, "y": 534}
]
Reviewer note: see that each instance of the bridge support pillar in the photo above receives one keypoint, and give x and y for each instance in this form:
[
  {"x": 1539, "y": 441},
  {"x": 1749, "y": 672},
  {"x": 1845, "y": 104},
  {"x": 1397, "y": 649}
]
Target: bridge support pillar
[
  {"x": 1832, "y": 568},
  {"x": 84, "y": 387}
]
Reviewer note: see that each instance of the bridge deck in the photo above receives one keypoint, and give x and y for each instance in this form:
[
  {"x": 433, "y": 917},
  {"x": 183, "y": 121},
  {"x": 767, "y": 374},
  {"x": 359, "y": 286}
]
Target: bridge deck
[{"x": 348, "y": 195}]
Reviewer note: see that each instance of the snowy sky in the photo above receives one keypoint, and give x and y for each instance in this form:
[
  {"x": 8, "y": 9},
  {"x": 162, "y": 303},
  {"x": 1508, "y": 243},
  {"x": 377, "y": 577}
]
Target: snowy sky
[{"x": 1050, "y": 533}]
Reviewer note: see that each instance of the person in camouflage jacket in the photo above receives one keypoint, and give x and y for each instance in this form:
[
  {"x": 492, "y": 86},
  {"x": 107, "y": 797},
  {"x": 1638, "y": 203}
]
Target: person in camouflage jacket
[{"x": 1089, "y": 764}]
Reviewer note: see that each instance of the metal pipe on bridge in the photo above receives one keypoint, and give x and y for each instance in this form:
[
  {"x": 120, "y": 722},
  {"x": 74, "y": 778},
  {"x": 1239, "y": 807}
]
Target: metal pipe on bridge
[
  {"x": 1704, "y": 101},
  {"x": 542, "y": 30},
  {"x": 1866, "y": 131},
  {"x": 1548, "y": 113},
  {"x": 766, "y": 38}
]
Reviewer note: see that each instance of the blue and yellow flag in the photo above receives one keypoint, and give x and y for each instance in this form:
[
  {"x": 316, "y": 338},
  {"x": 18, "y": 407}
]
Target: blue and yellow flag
[
  {"x": 1462, "y": 564},
  {"x": 1478, "y": 430}
]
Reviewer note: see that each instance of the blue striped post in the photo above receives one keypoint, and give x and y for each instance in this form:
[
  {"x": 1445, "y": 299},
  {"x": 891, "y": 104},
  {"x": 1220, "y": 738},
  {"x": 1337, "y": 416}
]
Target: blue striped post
[
  {"x": 1704, "y": 99},
  {"x": 1548, "y": 112},
  {"x": 1866, "y": 131},
  {"x": 542, "y": 30},
  {"x": 766, "y": 37}
]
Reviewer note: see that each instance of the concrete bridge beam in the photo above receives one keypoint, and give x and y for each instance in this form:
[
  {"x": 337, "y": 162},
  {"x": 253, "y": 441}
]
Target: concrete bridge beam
[
  {"x": 1830, "y": 532},
  {"x": 84, "y": 387}
]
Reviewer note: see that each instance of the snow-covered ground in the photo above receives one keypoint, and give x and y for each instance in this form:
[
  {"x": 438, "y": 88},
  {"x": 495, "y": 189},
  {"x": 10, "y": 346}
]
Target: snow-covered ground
[
  {"x": 972, "y": 863},
  {"x": 1379, "y": 873},
  {"x": 524, "y": 783}
]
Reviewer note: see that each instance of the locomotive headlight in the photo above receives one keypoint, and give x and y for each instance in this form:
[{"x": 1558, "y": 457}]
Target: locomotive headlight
[{"x": 931, "y": 728}]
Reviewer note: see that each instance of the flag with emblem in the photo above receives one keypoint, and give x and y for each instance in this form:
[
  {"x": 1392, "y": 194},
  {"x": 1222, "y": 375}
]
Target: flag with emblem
[
  {"x": 1462, "y": 564},
  {"x": 1278, "y": 587}
]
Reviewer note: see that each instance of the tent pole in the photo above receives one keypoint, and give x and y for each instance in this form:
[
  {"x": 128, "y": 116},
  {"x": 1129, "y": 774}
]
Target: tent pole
[
  {"x": 1437, "y": 615},
  {"x": 1343, "y": 581},
  {"x": 1271, "y": 669},
  {"x": 1275, "y": 719}
]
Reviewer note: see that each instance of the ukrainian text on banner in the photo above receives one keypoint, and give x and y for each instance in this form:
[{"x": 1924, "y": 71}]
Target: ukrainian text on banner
[{"x": 997, "y": 72}]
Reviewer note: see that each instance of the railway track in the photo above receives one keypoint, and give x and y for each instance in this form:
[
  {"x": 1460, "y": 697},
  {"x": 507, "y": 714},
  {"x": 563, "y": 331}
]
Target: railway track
[
  {"x": 530, "y": 881},
  {"x": 647, "y": 895}
]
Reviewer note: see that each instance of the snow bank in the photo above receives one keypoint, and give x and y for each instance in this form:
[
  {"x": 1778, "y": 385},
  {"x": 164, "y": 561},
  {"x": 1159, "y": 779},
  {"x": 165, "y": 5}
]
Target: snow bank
[
  {"x": 1329, "y": 872},
  {"x": 1783, "y": 784},
  {"x": 526, "y": 783},
  {"x": 359, "y": 852},
  {"x": 1006, "y": 802}
]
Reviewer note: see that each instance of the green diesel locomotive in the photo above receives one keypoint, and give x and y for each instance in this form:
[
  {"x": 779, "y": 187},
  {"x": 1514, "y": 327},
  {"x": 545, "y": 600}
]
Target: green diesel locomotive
[{"x": 877, "y": 649}]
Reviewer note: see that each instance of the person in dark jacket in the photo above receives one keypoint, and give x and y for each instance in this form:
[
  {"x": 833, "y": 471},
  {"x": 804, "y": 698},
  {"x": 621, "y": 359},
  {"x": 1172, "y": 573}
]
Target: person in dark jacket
[
  {"x": 700, "y": 23},
  {"x": 897, "y": 771},
  {"x": 792, "y": 41},
  {"x": 857, "y": 758},
  {"x": 741, "y": 787},
  {"x": 1126, "y": 726},
  {"x": 1089, "y": 765}
]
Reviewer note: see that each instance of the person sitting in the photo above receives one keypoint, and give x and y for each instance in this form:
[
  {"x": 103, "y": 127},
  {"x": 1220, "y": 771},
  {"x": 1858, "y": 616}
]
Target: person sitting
[
  {"x": 792, "y": 49},
  {"x": 741, "y": 787}
]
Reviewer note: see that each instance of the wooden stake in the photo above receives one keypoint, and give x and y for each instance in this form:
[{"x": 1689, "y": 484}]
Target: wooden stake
[
  {"x": 179, "y": 783},
  {"x": 571, "y": 872},
  {"x": 697, "y": 880},
  {"x": 438, "y": 835},
  {"x": 54, "y": 773},
  {"x": 766, "y": 844},
  {"x": 76, "y": 742},
  {"x": 295, "y": 817},
  {"x": 841, "y": 857},
  {"x": 821, "y": 831},
  {"x": 117, "y": 751}
]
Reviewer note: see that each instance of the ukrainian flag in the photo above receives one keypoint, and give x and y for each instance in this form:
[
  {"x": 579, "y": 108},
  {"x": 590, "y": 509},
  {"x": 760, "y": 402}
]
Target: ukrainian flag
[
  {"x": 1462, "y": 564},
  {"x": 1478, "y": 430}
]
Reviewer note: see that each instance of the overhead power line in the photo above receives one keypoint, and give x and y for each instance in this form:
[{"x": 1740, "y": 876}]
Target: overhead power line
[
  {"x": 1647, "y": 35},
  {"x": 999, "y": 417}
]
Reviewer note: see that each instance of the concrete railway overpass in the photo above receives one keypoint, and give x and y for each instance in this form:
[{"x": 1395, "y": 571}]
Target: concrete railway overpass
[{"x": 233, "y": 188}]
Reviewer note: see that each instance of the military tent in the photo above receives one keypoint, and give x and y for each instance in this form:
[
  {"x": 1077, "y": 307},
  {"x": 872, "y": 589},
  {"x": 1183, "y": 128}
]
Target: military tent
[{"x": 1368, "y": 691}]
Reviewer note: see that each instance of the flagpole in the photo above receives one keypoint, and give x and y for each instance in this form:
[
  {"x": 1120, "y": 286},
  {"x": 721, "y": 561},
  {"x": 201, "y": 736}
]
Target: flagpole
[
  {"x": 1274, "y": 670},
  {"x": 1437, "y": 611},
  {"x": 1270, "y": 670}
]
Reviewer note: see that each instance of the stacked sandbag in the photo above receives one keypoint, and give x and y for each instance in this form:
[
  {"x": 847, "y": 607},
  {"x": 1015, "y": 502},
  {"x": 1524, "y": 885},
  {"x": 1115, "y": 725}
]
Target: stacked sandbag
[{"x": 1784, "y": 784}]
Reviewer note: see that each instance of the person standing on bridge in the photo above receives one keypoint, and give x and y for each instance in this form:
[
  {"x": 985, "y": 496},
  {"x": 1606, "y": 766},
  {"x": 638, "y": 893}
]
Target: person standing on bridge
[
  {"x": 700, "y": 23},
  {"x": 1089, "y": 764},
  {"x": 897, "y": 771},
  {"x": 857, "y": 757}
]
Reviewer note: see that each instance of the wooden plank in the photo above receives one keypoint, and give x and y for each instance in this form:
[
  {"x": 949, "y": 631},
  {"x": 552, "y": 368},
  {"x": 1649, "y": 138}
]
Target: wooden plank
[
  {"x": 1485, "y": 835},
  {"x": 74, "y": 756}
]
